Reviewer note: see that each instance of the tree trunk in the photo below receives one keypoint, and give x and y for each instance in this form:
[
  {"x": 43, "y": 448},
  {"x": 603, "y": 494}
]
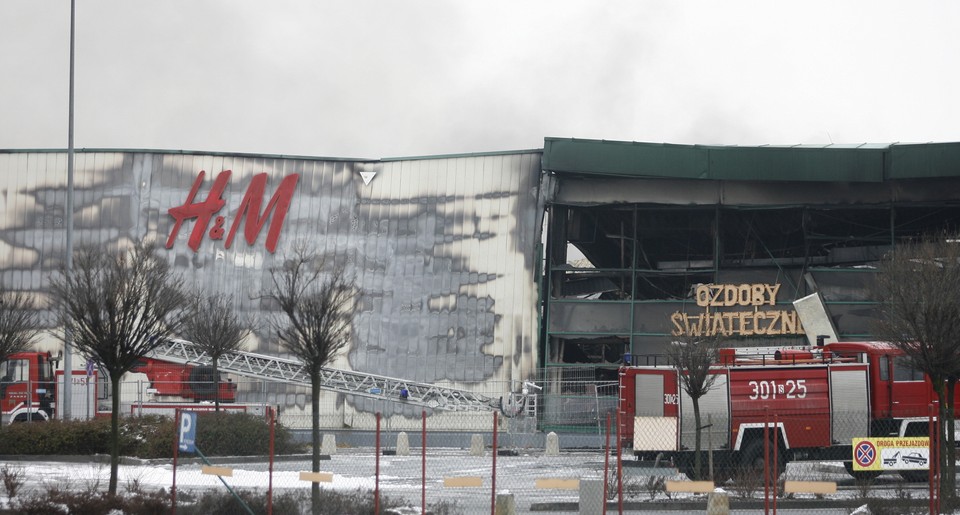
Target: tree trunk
[
  {"x": 114, "y": 433},
  {"x": 697, "y": 467},
  {"x": 948, "y": 477},
  {"x": 216, "y": 384},
  {"x": 315, "y": 416}
]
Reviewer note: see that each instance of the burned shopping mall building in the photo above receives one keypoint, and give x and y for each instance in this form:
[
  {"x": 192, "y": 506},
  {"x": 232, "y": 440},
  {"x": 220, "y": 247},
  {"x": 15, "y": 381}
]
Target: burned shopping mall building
[
  {"x": 650, "y": 242},
  {"x": 489, "y": 271}
]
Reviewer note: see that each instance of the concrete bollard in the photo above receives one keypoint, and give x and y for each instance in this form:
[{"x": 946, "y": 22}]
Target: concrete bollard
[
  {"x": 718, "y": 502},
  {"x": 552, "y": 445},
  {"x": 403, "y": 444},
  {"x": 505, "y": 504},
  {"x": 591, "y": 496},
  {"x": 329, "y": 445},
  {"x": 476, "y": 445}
]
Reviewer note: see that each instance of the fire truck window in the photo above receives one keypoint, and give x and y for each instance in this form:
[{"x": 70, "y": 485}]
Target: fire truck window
[
  {"x": 903, "y": 370},
  {"x": 884, "y": 368},
  {"x": 46, "y": 369},
  {"x": 14, "y": 370}
]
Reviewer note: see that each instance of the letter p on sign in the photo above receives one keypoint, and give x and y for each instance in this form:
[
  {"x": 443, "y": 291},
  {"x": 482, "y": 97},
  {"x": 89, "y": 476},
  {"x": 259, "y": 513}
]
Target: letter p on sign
[{"x": 188, "y": 431}]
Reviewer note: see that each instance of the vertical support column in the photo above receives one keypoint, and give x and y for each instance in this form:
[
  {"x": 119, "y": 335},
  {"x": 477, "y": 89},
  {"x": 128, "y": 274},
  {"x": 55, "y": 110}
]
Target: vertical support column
[
  {"x": 493, "y": 475},
  {"x": 716, "y": 243}
]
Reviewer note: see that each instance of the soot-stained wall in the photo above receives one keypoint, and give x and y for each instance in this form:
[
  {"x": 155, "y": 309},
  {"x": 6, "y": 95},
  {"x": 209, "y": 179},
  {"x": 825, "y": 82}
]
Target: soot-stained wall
[{"x": 443, "y": 249}]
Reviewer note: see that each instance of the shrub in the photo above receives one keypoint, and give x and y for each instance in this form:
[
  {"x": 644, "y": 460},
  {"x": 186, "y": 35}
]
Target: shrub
[
  {"x": 56, "y": 501},
  {"x": 332, "y": 502},
  {"x": 13, "y": 478},
  {"x": 218, "y": 434}
]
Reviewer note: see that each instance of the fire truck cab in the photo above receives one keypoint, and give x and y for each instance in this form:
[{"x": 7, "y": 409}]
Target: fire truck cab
[{"x": 27, "y": 387}]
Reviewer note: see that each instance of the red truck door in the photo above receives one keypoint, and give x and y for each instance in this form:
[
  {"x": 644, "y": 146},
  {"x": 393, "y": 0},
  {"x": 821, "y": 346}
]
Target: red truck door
[
  {"x": 14, "y": 374},
  {"x": 911, "y": 392},
  {"x": 849, "y": 402}
]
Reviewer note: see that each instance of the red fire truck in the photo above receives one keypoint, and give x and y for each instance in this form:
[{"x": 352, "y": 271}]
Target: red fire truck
[
  {"x": 28, "y": 386},
  {"x": 173, "y": 382},
  {"x": 814, "y": 400}
]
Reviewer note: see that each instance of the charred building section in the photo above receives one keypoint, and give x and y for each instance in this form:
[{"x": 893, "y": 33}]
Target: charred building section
[
  {"x": 651, "y": 242},
  {"x": 442, "y": 250}
]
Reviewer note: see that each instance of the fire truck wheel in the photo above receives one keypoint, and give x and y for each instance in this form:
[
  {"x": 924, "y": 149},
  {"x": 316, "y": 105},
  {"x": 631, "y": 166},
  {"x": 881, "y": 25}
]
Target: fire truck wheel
[
  {"x": 721, "y": 474},
  {"x": 686, "y": 465},
  {"x": 751, "y": 460},
  {"x": 861, "y": 475}
]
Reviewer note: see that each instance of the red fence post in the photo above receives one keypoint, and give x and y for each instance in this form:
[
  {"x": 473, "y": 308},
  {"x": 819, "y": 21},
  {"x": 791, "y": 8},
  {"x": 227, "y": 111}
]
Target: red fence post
[
  {"x": 776, "y": 462},
  {"x": 176, "y": 452},
  {"x": 606, "y": 466},
  {"x": 619, "y": 465},
  {"x": 423, "y": 467},
  {"x": 766, "y": 460},
  {"x": 376, "y": 481},
  {"x": 273, "y": 421},
  {"x": 493, "y": 476}
]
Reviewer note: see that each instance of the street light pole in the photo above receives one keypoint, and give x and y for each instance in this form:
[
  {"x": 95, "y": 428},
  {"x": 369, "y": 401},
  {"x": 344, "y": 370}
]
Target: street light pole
[{"x": 67, "y": 401}]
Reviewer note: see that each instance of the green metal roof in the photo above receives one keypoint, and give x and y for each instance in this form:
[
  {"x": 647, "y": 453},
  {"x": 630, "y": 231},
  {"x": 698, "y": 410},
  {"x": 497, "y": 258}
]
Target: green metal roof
[{"x": 834, "y": 163}]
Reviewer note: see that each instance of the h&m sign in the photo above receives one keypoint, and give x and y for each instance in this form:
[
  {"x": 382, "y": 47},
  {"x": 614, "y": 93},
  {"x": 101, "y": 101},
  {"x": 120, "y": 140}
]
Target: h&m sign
[{"x": 249, "y": 213}]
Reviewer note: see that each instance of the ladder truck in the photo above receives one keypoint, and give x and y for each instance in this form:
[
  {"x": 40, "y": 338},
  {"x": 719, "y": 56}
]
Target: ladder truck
[
  {"x": 362, "y": 384},
  {"x": 815, "y": 400},
  {"x": 180, "y": 375}
]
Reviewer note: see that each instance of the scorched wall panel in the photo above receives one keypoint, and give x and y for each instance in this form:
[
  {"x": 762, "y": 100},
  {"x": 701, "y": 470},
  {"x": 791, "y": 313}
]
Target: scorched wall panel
[{"x": 443, "y": 249}]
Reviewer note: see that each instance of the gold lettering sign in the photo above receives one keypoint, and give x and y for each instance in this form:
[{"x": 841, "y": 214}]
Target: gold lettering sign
[{"x": 755, "y": 322}]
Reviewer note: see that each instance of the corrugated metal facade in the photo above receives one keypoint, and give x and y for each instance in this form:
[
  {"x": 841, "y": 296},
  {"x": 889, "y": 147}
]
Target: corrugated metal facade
[{"x": 442, "y": 248}]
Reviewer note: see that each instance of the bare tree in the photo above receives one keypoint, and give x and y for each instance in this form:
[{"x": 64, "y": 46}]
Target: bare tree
[
  {"x": 118, "y": 306},
  {"x": 19, "y": 326},
  {"x": 19, "y": 323},
  {"x": 694, "y": 357},
  {"x": 213, "y": 325},
  {"x": 918, "y": 290},
  {"x": 316, "y": 304}
]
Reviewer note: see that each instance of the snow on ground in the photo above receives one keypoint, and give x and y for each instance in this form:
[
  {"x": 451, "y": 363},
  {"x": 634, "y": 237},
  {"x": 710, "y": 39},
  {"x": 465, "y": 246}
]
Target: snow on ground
[{"x": 400, "y": 477}]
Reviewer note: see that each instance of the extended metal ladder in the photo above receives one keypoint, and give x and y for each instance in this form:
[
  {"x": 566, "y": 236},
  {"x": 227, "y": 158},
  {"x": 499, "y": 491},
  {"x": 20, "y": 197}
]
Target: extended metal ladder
[{"x": 373, "y": 386}]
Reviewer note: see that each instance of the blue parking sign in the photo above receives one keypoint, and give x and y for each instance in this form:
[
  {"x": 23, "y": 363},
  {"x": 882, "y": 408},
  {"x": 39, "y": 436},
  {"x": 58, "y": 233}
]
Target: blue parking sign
[{"x": 188, "y": 431}]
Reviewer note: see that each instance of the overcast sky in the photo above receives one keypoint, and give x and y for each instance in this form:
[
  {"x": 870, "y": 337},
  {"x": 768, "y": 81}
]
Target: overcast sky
[{"x": 394, "y": 78}]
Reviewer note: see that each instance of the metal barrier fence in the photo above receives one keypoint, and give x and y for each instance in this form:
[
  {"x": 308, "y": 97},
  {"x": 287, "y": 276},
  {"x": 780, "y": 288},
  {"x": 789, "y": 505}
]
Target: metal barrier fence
[
  {"x": 433, "y": 470},
  {"x": 467, "y": 472},
  {"x": 466, "y": 462}
]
